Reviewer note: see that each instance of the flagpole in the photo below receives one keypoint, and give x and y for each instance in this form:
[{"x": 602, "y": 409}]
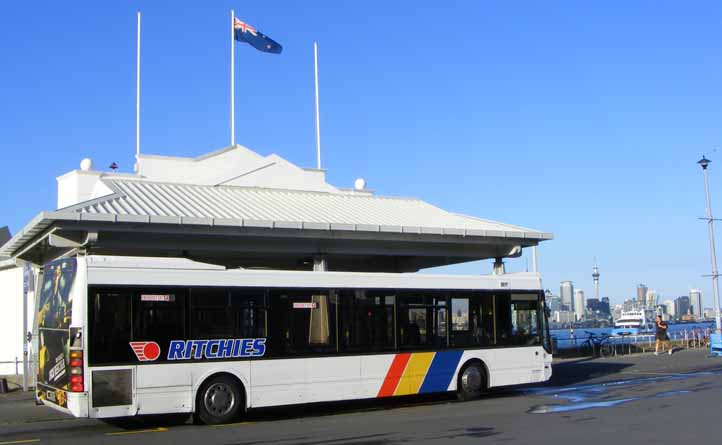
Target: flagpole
[
  {"x": 318, "y": 121},
  {"x": 137, "y": 95},
  {"x": 233, "y": 63}
]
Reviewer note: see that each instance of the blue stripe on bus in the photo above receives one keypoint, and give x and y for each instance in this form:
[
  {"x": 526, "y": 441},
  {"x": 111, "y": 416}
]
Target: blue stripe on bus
[{"x": 441, "y": 372}]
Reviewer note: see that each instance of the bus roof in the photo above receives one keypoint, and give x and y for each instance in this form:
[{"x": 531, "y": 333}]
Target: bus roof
[{"x": 108, "y": 270}]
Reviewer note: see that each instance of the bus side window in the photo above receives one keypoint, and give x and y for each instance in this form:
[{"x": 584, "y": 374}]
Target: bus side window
[
  {"x": 366, "y": 320},
  {"x": 301, "y": 322},
  {"x": 159, "y": 315},
  {"x": 249, "y": 312},
  {"x": 516, "y": 320},
  {"x": 422, "y": 320},
  {"x": 502, "y": 316},
  {"x": 472, "y": 323},
  {"x": 109, "y": 326},
  {"x": 525, "y": 319},
  {"x": 211, "y": 313}
]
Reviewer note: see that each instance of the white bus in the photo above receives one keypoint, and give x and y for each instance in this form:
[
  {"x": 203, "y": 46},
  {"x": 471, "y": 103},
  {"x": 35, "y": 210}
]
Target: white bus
[{"x": 124, "y": 336}]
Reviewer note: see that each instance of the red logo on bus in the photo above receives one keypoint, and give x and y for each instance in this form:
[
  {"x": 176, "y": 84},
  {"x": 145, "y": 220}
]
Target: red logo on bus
[{"x": 146, "y": 351}]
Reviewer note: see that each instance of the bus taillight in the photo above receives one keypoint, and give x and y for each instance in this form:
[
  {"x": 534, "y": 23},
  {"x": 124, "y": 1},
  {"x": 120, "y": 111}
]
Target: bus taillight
[{"x": 76, "y": 371}]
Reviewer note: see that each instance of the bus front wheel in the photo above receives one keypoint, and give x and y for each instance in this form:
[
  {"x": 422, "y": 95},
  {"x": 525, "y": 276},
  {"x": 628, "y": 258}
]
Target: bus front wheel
[
  {"x": 220, "y": 400},
  {"x": 471, "y": 381}
]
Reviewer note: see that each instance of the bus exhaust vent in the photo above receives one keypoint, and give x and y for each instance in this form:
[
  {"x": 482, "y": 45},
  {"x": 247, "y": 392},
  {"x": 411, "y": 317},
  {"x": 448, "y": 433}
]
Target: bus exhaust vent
[{"x": 112, "y": 388}]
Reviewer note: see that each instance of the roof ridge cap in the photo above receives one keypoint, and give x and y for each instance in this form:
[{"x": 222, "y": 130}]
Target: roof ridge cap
[{"x": 271, "y": 189}]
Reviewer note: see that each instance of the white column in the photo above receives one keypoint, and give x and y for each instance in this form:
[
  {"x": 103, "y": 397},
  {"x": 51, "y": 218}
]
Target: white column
[{"x": 534, "y": 264}]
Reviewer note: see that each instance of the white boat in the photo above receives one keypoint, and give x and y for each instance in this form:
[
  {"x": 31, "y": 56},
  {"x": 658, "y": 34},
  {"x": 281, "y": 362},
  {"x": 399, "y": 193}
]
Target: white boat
[{"x": 632, "y": 323}]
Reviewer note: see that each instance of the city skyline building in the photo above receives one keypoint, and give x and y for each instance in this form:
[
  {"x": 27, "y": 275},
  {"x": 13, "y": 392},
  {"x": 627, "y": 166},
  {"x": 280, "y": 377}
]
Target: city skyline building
[
  {"x": 681, "y": 306},
  {"x": 595, "y": 278},
  {"x": 642, "y": 293},
  {"x": 579, "y": 304},
  {"x": 695, "y": 302},
  {"x": 670, "y": 308},
  {"x": 566, "y": 293},
  {"x": 651, "y": 300},
  {"x": 604, "y": 306}
]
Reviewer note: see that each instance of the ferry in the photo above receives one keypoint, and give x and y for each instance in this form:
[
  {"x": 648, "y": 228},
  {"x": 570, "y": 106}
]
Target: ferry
[{"x": 632, "y": 323}]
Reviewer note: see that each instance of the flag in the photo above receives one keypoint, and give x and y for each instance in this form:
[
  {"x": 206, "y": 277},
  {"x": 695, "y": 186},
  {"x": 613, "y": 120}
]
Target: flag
[{"x": 244, "y": 32}]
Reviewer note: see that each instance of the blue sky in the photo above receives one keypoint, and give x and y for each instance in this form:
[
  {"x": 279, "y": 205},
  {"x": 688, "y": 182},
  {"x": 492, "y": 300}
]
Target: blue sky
[{"x": 584, "y": 119}]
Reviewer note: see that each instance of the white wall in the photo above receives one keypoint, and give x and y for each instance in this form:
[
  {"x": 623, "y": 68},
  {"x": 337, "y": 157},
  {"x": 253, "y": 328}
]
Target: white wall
[{"x": 11, "y": 319}]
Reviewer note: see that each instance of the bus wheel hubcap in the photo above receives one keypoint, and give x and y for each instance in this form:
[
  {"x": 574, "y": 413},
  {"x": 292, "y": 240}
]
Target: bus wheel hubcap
[
  {"x": 471, "y": 379},
  {"x": 219, "y": 399}
]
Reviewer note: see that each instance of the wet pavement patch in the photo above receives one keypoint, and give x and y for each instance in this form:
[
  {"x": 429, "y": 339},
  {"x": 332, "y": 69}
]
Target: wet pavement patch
[{"x": 583, "y": 397}]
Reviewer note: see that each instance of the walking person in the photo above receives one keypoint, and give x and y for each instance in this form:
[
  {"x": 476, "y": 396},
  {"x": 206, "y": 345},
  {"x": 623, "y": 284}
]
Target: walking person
[{"x": 661, "y": 337}]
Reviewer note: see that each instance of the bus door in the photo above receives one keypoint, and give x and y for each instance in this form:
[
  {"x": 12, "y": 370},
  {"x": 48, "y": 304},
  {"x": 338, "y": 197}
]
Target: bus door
[
  {"x": 112, "y": 380},
  {"x": 130, "y": 331},
  {"x": 518, "y": 336}
]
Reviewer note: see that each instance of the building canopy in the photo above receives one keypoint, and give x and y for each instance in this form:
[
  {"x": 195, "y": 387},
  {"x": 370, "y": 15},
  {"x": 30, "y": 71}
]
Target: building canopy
[{"x": 237, "y": 208}]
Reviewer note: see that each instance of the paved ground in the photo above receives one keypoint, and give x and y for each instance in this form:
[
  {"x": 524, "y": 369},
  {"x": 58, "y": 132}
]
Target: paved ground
[{"x": 633, "y": 399}]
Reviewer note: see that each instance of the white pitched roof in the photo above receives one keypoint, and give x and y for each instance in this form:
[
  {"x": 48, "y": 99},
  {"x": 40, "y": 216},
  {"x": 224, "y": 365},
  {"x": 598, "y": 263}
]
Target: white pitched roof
[
  {"x": 274, "y": 208},
  {"x": 236, "y": 187}
]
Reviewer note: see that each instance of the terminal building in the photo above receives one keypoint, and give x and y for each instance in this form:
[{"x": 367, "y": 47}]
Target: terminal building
[{"x": 234, "y": 208}]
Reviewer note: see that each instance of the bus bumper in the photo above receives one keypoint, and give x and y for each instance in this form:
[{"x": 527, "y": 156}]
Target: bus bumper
[{"x": 72, "y": 403}]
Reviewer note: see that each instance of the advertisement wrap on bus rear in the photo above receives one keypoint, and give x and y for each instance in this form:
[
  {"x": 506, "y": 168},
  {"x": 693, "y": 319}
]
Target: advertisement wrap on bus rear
[{"x": 54, "y": 313}]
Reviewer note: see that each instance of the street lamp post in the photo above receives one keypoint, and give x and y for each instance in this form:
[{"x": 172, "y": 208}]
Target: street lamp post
[{"x": 704, "y": 163}]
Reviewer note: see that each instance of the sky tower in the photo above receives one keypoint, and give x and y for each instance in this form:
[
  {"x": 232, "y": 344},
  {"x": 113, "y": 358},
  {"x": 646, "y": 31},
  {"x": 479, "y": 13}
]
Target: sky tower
[{"x": 595, "y": 277}]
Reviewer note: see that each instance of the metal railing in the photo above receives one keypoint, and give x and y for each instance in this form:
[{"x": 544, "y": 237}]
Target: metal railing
[
  {"x": 18, "y": 362},
  {"x": 578, "y": 345}
]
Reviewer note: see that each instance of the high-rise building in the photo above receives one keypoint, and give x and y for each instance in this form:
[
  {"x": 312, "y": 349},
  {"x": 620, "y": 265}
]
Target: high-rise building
[
  {"x": 695, "y": 301},
  {"x": 593, "y": 304},
  {"x": 641, "y": 294},
  {"x": 604, "y": 307},
  {"x": 681, "y": 306},
  {"x": 670, "y": 308},
  {"x": 553, "y": 301},
  {"x": 629, "y": 305},
  {"x": 566, "y": 293},
  {"x": 651, "y": 298},
  {"x": 579, "y": 304}
]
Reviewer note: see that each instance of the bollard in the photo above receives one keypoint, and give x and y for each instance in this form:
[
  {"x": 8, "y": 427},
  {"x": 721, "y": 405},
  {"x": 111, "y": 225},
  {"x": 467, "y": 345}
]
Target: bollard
[{"x": 3, "y": 386}]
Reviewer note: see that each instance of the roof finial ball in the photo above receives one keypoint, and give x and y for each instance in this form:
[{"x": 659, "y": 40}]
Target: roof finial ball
[
  {"x": 359, "y": 184},
  {"x": 86, "y": 164}
]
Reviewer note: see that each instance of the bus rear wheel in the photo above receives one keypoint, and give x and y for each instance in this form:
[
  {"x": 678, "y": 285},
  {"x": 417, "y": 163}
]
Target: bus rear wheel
[
  {"x": 220, "y": 400},
  {"x": 471, "y": 382}
]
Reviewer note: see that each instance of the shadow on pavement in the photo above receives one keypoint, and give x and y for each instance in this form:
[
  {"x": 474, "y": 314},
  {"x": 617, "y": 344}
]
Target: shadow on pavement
[{"x": 582, "y": 370}]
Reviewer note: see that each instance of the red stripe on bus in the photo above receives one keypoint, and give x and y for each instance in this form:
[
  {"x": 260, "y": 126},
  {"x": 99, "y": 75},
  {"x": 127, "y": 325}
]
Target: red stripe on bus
[{"x": 394, "y": 375}]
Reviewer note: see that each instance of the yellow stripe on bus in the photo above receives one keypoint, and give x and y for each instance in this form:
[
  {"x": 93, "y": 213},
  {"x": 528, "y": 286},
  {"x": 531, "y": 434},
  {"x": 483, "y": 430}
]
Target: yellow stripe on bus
[{"x": 414, "y": 373}]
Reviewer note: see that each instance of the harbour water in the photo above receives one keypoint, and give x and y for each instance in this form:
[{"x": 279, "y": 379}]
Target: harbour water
[{"x": 566, "y": 338}]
